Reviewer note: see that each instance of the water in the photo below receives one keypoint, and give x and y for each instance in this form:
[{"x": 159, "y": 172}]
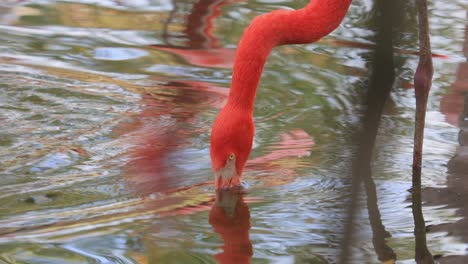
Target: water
[{"x": 106, "y": 108}]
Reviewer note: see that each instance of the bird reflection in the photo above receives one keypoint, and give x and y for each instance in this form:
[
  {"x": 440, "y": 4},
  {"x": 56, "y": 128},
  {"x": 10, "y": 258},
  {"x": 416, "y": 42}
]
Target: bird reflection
[
  {"x": 200, "y": 47},
  {"x": 230, "y": 219},
  {"x": 164, "y": 126}
]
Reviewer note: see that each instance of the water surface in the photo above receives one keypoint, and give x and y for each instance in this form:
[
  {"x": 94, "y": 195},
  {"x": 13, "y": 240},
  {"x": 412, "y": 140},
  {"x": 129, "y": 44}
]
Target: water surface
[{"x": 106, "y": 108}]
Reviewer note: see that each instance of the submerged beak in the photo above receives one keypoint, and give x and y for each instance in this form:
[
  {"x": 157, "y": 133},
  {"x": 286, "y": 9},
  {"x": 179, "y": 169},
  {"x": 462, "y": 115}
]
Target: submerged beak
[{"x": 227, "y": 176}]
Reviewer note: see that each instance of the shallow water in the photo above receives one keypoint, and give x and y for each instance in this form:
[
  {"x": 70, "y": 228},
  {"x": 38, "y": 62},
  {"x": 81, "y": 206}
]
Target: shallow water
[{"x": 105, "y": 116}]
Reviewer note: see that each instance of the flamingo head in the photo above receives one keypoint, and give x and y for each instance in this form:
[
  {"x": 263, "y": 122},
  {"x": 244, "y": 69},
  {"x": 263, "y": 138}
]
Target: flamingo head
[{"x": 231, "y": 143}]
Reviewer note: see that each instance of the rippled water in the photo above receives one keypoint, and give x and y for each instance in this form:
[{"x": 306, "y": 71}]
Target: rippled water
[{"x": 106, "y": 108}]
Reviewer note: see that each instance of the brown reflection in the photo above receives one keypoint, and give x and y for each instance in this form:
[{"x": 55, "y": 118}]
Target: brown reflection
[
  {"x": 230, "y": 218},
  {"x": 422, "y": 85},
  {"x": 381, "y": 82},
  {"x": 83, "y": 15},
  {"x": 384, "y": 252},
  {"x": 386, "y": 16},
  {"x": 454, "y": 106}
]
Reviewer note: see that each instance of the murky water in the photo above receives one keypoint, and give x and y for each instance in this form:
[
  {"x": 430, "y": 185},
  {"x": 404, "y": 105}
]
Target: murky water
[{"x": 106, "y": 108}]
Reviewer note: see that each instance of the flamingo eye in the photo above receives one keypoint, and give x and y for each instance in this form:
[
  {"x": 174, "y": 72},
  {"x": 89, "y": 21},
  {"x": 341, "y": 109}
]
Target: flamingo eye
[{"x": 231, "y": 156}]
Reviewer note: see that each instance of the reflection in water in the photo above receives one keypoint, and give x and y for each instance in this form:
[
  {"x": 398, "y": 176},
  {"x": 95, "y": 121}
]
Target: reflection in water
[
  {"x": 81, "y": 98},
  {"x": 359, "y": 45},
  {"x": 161, "y": 129},
  {"x": 201, "y": 47},
  {"x": 422, "y": 83},
  {"x": 230, "y": 219},
  {"x": 380, "y": 85},
  {"x": 161, "y": 133},
  {"x": 454, "y": 106},
  {"x": 384, "y": 252}
]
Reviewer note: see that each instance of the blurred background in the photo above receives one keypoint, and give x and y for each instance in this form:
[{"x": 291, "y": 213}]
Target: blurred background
[{"x": 105, "y": 113}]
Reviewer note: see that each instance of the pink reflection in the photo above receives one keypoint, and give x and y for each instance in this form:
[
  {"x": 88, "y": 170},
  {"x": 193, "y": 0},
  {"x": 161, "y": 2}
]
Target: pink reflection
[
  {"x": 163, "y": 127},
  {"x": 202, "y": 47},
  {"x": 451, "y": 104},
  {"x": 215, "y": 57},
  {"x": 295, "y": 143},
  {"x": 230, "y": 218}
]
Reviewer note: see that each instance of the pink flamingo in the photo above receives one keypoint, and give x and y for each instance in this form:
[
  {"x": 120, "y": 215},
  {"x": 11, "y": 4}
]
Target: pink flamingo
[{"x": 233, "y": 129}]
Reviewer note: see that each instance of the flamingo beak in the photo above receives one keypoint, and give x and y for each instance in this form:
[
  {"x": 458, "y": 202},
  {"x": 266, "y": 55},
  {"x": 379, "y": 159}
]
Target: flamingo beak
[{"x": 227, "y": 176}]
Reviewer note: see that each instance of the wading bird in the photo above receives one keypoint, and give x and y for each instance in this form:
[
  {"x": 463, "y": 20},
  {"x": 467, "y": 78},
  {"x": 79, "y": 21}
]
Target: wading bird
[{"x": 233, "y": 129}]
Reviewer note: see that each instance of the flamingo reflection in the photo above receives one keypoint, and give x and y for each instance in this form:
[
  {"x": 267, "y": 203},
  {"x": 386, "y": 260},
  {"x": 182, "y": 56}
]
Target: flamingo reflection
[
  {"x": 201, "y": 47},
  {"x": 230, "y": 218},
  {"x": 165, "y": 125},
  {"x": 150, "y": 164}
]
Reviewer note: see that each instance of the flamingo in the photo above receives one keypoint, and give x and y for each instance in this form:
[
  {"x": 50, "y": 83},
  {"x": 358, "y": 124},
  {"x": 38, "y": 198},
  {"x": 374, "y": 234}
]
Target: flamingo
[{"x": 233, "y": 129}]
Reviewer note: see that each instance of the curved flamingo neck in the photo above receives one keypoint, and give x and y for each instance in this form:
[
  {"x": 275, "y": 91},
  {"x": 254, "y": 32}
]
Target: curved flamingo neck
[{"x": 306, "y": 25}]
